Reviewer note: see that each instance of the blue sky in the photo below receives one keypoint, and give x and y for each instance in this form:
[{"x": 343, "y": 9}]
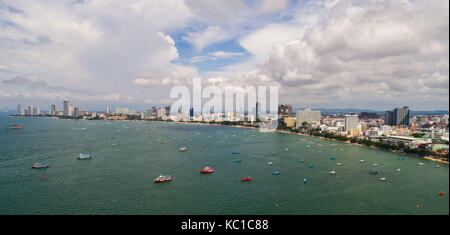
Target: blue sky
[{"x": 321, "y": 54}]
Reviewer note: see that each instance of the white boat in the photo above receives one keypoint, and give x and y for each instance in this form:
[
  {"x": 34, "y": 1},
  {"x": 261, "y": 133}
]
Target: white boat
[
  {"x": 420, "y": 163},
  {"x": 183, "y": 149},
  {"x": 338, "y": 163},
  {"x": 361, "y": 161},
  {"x": 399, "y": 169},
  {"x": 84, "y": 156},
  {"x": 332, "y": 172},
  {"x": 375, "y": 164},
  {"x": 383, "y": 179}
]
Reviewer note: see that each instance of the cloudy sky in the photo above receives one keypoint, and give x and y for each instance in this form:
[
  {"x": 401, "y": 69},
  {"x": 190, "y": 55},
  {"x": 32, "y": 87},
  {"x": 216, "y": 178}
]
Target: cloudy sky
[{"x": 322, "y": 54}]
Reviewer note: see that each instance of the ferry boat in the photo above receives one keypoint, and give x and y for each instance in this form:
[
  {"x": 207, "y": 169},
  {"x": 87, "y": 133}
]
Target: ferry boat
[
  {"x": 207, "y": 170},
  {"x": 246, "y": 179},
  {"x": 84, "y": 156},
  {"x": 39, "y": 165},
  {"x": 162, "y": 178}
]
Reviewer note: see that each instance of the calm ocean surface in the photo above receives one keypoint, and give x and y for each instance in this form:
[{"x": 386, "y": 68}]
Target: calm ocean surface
[{"x": 119, "y": 179}]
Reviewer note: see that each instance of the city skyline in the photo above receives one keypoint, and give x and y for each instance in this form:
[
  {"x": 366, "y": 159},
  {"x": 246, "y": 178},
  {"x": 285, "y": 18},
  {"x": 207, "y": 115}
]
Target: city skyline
[{"x": 321, "y": 54}]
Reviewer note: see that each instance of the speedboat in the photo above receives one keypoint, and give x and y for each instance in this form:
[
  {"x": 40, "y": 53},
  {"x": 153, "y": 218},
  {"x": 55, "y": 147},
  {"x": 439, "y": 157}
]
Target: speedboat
[
  {"x": 183, "y": 149},
  {"x": 338, "y": 164},
  {"x": 361, "y": 161},
  {"x": 207, "y": 170},
  {"x": 162, "y": 178},
  {"x": 84, "y": 156},
  {"x": 375, "y": 164},
  {"x": 38, "y": 165},
  {"x": 420, "y": 163},
  {"x": 286, "y": 149},
  {"x": 382, "y": 179},
  {"x": 399, "y": 169},
  {"x": 301, "y": 160},
  {"x": 332, "y": 157},
  {"x": 275, "y": 173},
  {"x": 332, "y": 172},
  {"x": 437, "y": 166},
  {"x": 246, "y": 179},
  {"x": 269, "y": 163}
]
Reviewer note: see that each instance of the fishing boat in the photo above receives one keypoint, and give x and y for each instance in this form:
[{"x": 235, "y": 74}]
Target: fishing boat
[
  {"x": 183, "y": 149},
  {"x": 84, "y": 156},
  {"x": 207, "y": 170},
  {"x": 162, "y": 178},
  {"x": 373, "y": 172},
  {"x": 332, "y": 172},
  {"x": 275, "y": 173},
  {"x": 246, "y": 179},
  {"x": 39, "y": 165}
]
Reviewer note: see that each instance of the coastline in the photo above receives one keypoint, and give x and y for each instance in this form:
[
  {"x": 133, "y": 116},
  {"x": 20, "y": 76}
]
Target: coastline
[{"x": 430, "y": 158}]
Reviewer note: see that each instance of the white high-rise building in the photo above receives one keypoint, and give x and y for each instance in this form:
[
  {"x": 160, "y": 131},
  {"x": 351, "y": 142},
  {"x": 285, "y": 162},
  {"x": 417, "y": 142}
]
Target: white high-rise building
[
  {"x": 19, "y": 109},
  {"x": 30, "y": 110},
  {"x": 307, "y": 116},
  {"x": 351, "y": 122},
  {"x": 108, "y": 110},
  {"x": 68, "y": 108}
]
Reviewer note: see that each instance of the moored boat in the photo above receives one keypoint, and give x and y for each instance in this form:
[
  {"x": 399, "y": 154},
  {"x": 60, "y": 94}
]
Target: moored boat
[
  {"x": 207, "y": 170},
  {"x": 246, "y": 179},
  {"x": 183, "y": 149},
  {"x": 162, "y": 178},
  {"x": 373, "y": 172},
  {"x": 84, "y": 156},
  {"x": 38, "y": 165},
  {"x": 275, "y": 173},
  {"x": 332, "y": 172}
]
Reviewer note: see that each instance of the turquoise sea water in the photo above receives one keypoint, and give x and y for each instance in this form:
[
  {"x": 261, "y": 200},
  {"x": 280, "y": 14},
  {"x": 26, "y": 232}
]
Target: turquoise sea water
[{"x": 119, "y": 179}]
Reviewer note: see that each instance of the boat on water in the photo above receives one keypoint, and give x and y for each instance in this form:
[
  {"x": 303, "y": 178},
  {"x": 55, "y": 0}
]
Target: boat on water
[
  {"x": 207, "y": 170},
  {"x": 373, "y": 172},
  {"x": 383, "y": 179},
  {"x": 311, "y": 166},
  {"x": 399, "y": 169},
  {"x": 234, "y": 153},
  {"x": 420, "y": 164},
  {"x": 437, "y": 166},
  {"x": 246, "y": 179},
  {"x": 305, "y": 180},
  {"x": 361, "y": 161},
  {"x": 269, "y": 163},
  {"x": 301, "y": 160},
  {"x": 39, "y": 165},
  {"x": 400, "y": 158},
  {"x": 332, "y": 157},
  {"x": 15, "y": 127},
  {"x": 332, "y": 172},
  {"x": 338, "y": 164},
  {"x": 237, "y": 160},
  {"x": 183, "y": 149},
  {"x": 84, "y": 156},
  {"x": 375, "y": 164},
  {"x": 162, "y": 178},
  {"x": 276, "y": 173}
]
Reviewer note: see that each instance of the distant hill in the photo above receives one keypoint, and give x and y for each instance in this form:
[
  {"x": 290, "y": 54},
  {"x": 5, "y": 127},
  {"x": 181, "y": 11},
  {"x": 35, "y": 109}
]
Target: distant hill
[{"x": 344, "y": 111}]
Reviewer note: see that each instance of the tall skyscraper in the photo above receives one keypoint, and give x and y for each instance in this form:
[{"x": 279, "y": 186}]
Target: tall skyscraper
[
  {"x": 30, "y": 110},
  {"x": 307, "y": 116},
  {"x": 191, "y": 112},
  {"x": 397, "y": 117},
  {"x": 167, "y": 110},
  {"x": 19, "y": 109},
  {"x": 108, "y": 110},
  {"x": 52, "y": 109},
  {"x": 68, "y": 108},
  {"x": 284, "y": 111},
  {"x": 351, "y": 122}
]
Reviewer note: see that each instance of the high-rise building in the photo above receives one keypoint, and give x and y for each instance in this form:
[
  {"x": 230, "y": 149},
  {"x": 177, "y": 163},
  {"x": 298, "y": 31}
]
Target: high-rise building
[
  {"x": 284, "y": 111},
  {"x": 191, "y": 112},
  {"x": 397, "y": 117},
  {"x": 52, "y": 109},
  {"x": 68, "y": 108},
  {"x": 167, "y": 110},
  {"x": 108, "y": 111},
  {"x": 351, "y": 122},
  {"x": 76, "y": 112},
  {"x": 31, "y": 110},
  {"x": 308, "y": 116},
  {"x": 19, "y": 109}
]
